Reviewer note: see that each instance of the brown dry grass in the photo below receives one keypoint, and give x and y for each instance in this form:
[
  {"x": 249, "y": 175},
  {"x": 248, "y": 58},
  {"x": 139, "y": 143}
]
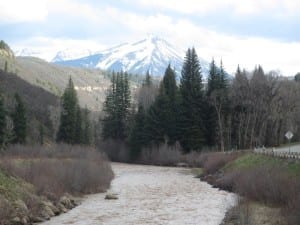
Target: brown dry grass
[{"x": 59, "y": 169}]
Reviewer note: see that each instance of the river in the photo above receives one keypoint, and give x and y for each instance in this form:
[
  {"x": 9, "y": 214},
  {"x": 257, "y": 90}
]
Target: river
[{"x": 151, "y": 195}]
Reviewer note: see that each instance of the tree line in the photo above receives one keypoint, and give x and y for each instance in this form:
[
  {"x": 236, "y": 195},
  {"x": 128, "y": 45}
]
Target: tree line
[
  {"x": 252, "y": 109},
  {"x": 75, "y": 125}
]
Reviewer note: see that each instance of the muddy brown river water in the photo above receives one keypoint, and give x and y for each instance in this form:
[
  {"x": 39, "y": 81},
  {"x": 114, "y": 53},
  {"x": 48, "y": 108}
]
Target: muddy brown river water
[{"x": 151, "y": 195}]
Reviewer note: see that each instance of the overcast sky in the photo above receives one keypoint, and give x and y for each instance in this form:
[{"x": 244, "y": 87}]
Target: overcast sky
[{"x": 245, "y": 32}]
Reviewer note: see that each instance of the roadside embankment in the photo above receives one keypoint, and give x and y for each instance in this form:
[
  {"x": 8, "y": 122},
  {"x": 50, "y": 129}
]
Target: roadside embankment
[{"x": 264, "y": 183}]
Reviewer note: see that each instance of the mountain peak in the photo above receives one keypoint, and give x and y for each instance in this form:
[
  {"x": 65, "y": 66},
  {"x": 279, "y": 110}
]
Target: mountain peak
[
  {"x": 69, "y": 54},
  {"x": 154, "y": 38},
  {"x": 152, "y": 54}
]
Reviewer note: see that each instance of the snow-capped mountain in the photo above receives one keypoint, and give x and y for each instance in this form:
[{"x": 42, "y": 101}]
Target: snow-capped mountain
[
  {"x": 69, "y": 54},
  {"x": 28, "y": 52},
  {"x": 151, "y": 54}
]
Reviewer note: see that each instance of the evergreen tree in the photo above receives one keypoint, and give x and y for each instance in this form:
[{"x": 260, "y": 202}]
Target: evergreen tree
[
  {"x": 217, "y": 96},
  {"x": 116, "y": 108},
  {"x": 162, "y": 115},
  {"x": 211, "y": 117},
  {"x": 41, "y": 131},
  {"x": 171, "y": 94},
  {"x": 148, "y": 80},
  {"x": 19, "y": 121},
  {"x": 67, "y": 127},
  {"x": 297, "y": 77},
  {"x": 137, "y": 138},
  {"x": 191, "y": 115},
  {"x": 87, "y": 131},
  {"x": 147, "y": 92},
  {"x": 156, "y": 119},
  {"x": 2, "y": 122},
  {"x": 78, "y": 127},
  {"x": 6, "y": 66}
]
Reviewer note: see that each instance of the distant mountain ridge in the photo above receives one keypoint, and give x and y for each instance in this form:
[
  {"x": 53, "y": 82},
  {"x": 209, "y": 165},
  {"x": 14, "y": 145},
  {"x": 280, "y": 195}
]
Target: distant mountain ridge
[{"x": 151, "y": 54}]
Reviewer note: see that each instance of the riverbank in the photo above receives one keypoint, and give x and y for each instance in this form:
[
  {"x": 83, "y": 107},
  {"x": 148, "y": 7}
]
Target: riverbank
[
  {"x": 269, "y": 187},
  {"x": 37, "y": 183}
]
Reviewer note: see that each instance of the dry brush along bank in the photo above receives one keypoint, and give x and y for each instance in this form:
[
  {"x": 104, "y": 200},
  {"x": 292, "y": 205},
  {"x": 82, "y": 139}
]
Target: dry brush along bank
[
  {"x": 264, "y": 183},
  {"x": 37, "y": 182}
]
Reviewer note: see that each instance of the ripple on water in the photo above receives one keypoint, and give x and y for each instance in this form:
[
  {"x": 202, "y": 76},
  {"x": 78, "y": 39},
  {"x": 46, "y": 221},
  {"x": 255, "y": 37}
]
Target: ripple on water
[{"x": 152, "y": 195}]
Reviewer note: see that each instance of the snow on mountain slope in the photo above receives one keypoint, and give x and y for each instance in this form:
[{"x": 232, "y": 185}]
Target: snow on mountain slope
[
  {"x": 34, "y": 53},
  {"x": 151, "y": 54},
  {"x": 69, "y": 54}
]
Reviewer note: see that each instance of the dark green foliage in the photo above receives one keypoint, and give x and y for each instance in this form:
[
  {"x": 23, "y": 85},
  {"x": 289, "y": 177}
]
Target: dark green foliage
[
  {"x": 2, "y": 122},
  {"x": 19, "y": 121},
  {"x": 217, "y": 107},
  {"x": 67, "y": 127},
  {"x": 3, "y": 45},
  {"x": 161, "y": 116},
  {"x": 86, "y": 128},
  {"x": 5, "y": 66},
  {"x": 137, "y": 138},
  {"x": 41, "y": 133},
  {"x": 211, "y": 117},
  {"x": 192, "y": 103},
  {"x": 170, "y": 96},
  {"x": 116, "y": 108},
  {"x": 297, "y": 77},
  {"x": 78, "y": 127},
  {"x": 42, "y": 107},
  {"x": 156, "y": 119},
  {"x": 148, "y": 80}
]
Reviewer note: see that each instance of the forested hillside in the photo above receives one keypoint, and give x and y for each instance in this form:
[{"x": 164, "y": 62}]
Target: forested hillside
[{"x": 42, "y": 108}]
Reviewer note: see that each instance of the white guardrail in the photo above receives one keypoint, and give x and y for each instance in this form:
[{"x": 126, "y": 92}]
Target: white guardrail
[{"x": 287, "y": 153}]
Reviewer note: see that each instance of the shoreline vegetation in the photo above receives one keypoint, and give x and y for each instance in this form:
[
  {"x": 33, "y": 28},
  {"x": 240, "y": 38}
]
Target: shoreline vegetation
[
  {"x": 37, "y": 184},
  {"x": 268, "y": 187}
]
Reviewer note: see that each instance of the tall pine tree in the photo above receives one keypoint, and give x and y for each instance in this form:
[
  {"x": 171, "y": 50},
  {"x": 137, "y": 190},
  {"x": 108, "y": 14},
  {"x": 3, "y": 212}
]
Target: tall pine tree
[
  {"x": 192, "y": 103},
  {"x": 116, "y": 108},
  {"x": 86, "y": 129},
  {"x": 171, "y": 94},
  {"x": 19, "y": 121},
  {"x": 211, "y": 117},
  {"x": 67, "y": 127},
  {"x": 78, "y": 126},
  {"x": 161, "y": 119},
  {"x": 137, "y": 138},
  {"x": 217, "y": 109}
]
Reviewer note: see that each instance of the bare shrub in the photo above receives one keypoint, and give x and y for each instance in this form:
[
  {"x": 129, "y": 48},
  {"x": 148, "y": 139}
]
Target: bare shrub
[
  {"x": 60, "y": 169},
  {"x": 266, "y": 184},
  {"x": 116, "y": 150},
  {"x": 195, "y": 159},
  {"x": 162, "y": 155},
  {"x": 212, "y": 162},
  {"x": 291, "y": 211}
]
